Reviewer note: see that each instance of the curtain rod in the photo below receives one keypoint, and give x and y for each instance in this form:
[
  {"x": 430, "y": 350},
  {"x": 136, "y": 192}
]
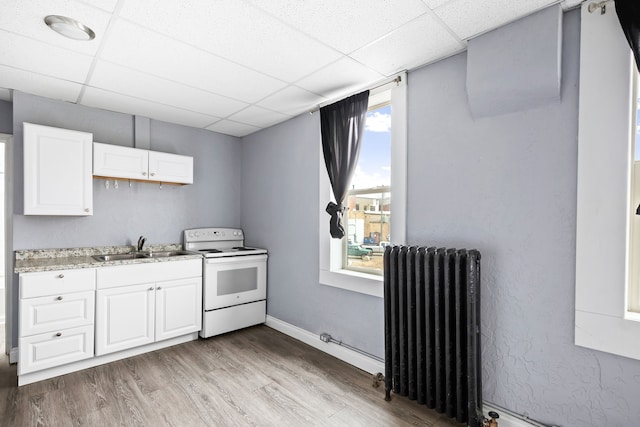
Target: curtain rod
[
  {"x": 397, "y": 80},
  {"x": 602, "y": 6}
]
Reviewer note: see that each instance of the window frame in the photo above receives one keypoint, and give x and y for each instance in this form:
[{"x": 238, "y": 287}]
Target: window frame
[
  {"x": 602, "y": 319},
  {"x": 330, "y": 270}
]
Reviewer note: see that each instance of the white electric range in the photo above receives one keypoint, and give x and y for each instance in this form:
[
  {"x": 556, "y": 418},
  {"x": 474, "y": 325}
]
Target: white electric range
[{"x": 234, "y": 279}]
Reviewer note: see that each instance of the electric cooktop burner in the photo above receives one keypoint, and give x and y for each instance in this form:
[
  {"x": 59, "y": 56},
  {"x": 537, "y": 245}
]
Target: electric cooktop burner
[{"x": 218, "y": 242}]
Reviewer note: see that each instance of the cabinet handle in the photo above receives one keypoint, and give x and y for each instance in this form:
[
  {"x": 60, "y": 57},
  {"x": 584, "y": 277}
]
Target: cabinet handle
[
  {"x": 152, "y": 174},
  {"x": 159, "y": 287},
  {"x": 86, "y": 209},
  {"x": 151, "y": 288},
  {"x": 60, "y": 276},
  {"x": 144, "y": 174},
  {"x": 59, "y": 298},
  {"x": 59, "y": 334}
]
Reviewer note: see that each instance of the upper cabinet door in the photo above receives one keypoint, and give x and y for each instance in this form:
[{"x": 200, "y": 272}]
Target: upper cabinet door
[
  {"x": 167, "y": 167},
  {"x": 115, "y": 161},
  {"x": 57, "y": 171}
]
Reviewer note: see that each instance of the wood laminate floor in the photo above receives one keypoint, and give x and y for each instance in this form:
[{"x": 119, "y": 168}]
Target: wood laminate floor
[{"x": 253, "y": 377}]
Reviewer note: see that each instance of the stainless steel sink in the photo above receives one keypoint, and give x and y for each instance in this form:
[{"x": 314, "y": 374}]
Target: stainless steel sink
[
  {"x": 119, "y": 257},
  {"x": 165, "y": 254}
]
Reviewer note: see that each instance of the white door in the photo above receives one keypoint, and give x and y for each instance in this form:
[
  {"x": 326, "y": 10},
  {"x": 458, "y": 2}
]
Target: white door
[
  {"x": 168, "y": 167},
  {"x": 57, "y": 171},
  {"x": 178, "y": 307},
  {"x": 124, "y": 317},
  {"x": 115, "y": 161}
]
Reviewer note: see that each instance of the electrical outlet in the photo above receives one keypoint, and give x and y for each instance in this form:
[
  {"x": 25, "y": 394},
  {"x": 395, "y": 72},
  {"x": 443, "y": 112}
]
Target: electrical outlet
[{"x": 325, "y": 337}]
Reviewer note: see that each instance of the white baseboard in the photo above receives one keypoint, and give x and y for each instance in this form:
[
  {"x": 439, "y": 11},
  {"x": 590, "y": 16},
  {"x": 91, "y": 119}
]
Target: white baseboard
[
  {"x": 358, "y": 360},
  {"x": 372, "y": 366}
]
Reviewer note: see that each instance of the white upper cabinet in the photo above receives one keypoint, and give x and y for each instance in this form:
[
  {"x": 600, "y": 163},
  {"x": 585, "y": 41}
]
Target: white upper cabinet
[
  {"x": 167, "y": 167},
  {"x": 57, "y": 171},
  {"x": 114, "y": 161}
]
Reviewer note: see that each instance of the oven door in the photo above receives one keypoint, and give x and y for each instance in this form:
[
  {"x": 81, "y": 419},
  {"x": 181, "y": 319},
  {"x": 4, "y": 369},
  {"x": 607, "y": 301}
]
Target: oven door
[{"x": 234, "y": 280}]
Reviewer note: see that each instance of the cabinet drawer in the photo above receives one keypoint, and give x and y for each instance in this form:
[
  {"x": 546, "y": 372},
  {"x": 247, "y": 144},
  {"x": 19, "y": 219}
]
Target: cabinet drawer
[
  {"x": 57, "y": 282},
  {"x": 44, "y": 351},
  {"x": 54, "y": 313},
  {"x": 125, "y": 275}
]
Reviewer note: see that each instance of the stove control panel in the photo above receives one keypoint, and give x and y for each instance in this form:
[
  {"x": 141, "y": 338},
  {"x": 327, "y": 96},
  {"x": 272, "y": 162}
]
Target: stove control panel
[{"x": 212, "y": 234}]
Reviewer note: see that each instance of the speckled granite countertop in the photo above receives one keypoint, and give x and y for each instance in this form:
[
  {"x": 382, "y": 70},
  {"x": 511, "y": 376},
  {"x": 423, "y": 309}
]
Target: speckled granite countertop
[{"x": 35, "y": 260}]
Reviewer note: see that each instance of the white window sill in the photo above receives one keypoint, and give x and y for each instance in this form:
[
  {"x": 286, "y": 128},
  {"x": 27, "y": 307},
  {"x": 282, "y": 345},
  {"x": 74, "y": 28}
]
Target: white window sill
[{"x": 369, "y": 284}]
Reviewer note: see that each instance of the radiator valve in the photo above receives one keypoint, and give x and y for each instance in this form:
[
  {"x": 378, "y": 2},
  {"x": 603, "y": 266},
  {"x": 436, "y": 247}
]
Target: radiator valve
[{"x": 491, "y": 422}]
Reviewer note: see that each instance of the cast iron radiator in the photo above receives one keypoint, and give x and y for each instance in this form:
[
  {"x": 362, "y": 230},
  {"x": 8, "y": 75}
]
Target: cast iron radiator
[{"x": 432, "y": 329}]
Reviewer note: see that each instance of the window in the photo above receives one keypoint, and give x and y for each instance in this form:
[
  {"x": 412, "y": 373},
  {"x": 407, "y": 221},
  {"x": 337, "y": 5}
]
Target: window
[
  {"x": 604, "y": 255},
  {"x": 371, "y": 201},
  {"x": 634, "y": 232}
]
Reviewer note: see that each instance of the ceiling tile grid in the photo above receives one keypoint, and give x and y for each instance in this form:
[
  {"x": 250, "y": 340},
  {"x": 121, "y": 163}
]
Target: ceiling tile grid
[{"x": 233, "y": 66}]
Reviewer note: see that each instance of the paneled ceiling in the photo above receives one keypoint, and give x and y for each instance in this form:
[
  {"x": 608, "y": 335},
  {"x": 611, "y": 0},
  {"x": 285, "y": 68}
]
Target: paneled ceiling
[{"x": 233, "y": 66}]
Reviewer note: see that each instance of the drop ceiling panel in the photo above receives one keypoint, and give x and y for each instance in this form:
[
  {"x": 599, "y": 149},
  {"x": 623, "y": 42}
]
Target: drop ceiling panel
[
  {"x": 345, "y": 25},
  {"x": 152, "y": 53},
  {"x": 230, "y": 127},
  {"x": 353, "y": 76},
  {"x": 294, "y": 100},
  {"x": 259, "y": 117},
  {"x": 236, "y": 31},
  {"x": 436, "y": 3},
  {"x": 126, "y": 81},
  {"x": 469, "y": 18},
  {"x": 423, "y": 40},
  {"x": 105, "y": 100},
  {"x": 43, "y": 58},
  {"x": 37, "y": 84},
  {"x": 108, "y": 5},
  {"x": 27, "y": 18}
]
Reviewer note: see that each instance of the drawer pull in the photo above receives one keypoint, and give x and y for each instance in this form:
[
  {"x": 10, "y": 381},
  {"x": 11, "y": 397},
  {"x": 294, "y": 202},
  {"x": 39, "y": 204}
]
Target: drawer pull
[
  {"x": 59, "y": 334},
  {"x": 159, "y": 287},
  {"x": 59, "y": 298},
  {"x": 151, "y": 288},
  {"x": 60, "y": 276}
]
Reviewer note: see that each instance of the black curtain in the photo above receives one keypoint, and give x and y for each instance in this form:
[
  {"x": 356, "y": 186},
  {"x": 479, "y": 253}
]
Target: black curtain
[
  {"x": 342, "y": 126},
  {"x": 629, "y": 16}
]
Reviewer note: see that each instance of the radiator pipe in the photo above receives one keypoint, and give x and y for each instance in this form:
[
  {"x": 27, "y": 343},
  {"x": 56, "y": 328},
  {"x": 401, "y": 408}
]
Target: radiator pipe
[
  {"x": 522, "y": 417},
  {"x": 325, "y": 337}
]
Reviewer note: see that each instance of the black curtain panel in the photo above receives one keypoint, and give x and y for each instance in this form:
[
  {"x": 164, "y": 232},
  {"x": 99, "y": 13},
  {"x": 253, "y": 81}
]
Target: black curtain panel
[
  {"x": 342, "y": 126},
  {"x": 629, "y": 16}
]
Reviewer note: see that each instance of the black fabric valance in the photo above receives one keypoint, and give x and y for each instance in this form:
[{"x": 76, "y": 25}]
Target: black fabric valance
[
  {"x": 628, "y": 12},
  {"x": 342, "y": 126}
]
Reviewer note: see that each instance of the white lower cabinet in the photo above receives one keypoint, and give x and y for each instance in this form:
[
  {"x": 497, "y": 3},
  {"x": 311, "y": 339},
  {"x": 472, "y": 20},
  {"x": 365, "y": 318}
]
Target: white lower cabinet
[
  {"x": 56, "y": 318},
  {"x": 134, "y": 315},
  {"x": 125, "y": 318},
  {"x": 129, "y": 315},
  {"x": 74, "y": 319}
]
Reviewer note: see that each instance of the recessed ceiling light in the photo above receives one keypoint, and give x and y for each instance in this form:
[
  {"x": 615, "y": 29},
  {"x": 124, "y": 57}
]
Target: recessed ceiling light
[{"x": 69, "y": 27}]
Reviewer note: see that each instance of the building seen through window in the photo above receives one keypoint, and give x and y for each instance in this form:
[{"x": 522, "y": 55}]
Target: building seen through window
[{"x": 369, "y": 200}]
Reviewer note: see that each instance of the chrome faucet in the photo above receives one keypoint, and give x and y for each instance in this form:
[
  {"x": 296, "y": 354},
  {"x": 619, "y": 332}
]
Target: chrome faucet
[{"x": 141, "y": 242}]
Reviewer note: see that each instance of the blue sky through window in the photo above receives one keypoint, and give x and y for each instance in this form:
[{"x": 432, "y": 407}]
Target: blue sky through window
[{"x": 374, "y": 164}]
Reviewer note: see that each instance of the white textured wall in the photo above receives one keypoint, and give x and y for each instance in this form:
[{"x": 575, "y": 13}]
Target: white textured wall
[{"x": 507, "y": 186}]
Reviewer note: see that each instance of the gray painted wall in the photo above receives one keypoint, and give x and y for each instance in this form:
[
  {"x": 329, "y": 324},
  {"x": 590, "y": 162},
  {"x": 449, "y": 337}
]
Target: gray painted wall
[
  {"x": 120, "y": 216},
  {"x": 6, "y": 117},
  {"x": 505, "y": 185}
]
